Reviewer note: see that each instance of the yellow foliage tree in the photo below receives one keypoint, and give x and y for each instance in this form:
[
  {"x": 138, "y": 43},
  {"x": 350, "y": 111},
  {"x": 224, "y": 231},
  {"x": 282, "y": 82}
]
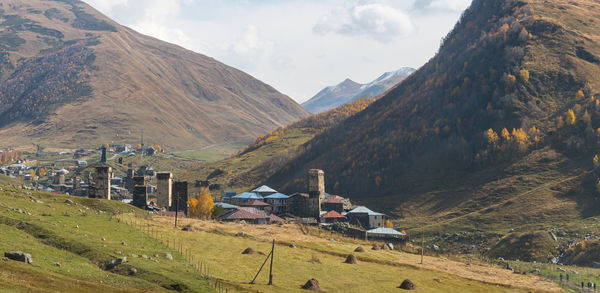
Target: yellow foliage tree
[
  {"x": 389, "y": 224},
  {"x": 202, "y": 206},
  {"x": 579, "y": 95},
  {"x": 520, "y": 136},
  {"x": 492, "y": 136},
  {"x": 524, "y": 73},
  {"x": 505, "y": 134},
  {"x": 596, "y": 161},
  {"x": 570, "y": 117},
  {"x": 510, "y": 80}
]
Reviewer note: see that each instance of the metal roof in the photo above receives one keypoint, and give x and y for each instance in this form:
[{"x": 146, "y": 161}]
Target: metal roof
[
  {"x": 256, "y": 203},
  {"x": 277, "y": 196},
  {"x": 248, "y": 195},
  {"x": 388, "y": 231},
  {"x": 264, "y": 188},
  {"x": 244, "y": 213},
  {"x": 365, "y": 210},
  {"x": 225, "y": 205},
  {"x": 332, "y": 214}
]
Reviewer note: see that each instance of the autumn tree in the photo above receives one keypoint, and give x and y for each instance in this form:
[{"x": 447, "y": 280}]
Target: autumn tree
[
  {"x": 570, "y": 119},
  {"x": 492, "y": 137},
  {"x": 510, "y": 80},
  {"x": 524, "y": 74},
  {"x": 389, "y": 224},
  {"x": 505, "y": 134},
  {"x": 202, "y": 206},
  {"x": 596, "y": 161}
]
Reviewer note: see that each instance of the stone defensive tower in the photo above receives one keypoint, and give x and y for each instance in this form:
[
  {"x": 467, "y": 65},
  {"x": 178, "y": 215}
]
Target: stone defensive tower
[
  {"x": 59, "y": 179},
  {"x": 180, "y": 193},
  {"x": 102, "y": 185},
  {"x": 164, "y": 186},
  {"x": 316, "y": 191},
  {"x": 140, "y": 192}
]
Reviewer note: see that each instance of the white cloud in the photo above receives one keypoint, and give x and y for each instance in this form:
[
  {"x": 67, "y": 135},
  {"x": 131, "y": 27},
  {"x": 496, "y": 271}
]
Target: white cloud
[
  {"x": 376, "y": 21},
  {"x": 443, "y": 5},
  {"x": 277, "y": 41}
]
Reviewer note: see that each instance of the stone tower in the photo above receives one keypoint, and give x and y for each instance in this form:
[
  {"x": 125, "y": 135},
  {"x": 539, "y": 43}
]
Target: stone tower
[
  {"x": 180, "y": 193},
  {"x": 164, "y": 186},
  {"x": 316, "y": 191},
  {"x": 140, "y": 192},
  {"x": 102, "y": 186},
  {"x": 103, "y": 157},
  {"x": 59, "y": 179}
]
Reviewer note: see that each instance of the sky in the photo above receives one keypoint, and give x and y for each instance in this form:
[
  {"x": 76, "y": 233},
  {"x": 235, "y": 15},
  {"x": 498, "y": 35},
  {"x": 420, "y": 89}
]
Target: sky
[{"x": 297, "y": 46}]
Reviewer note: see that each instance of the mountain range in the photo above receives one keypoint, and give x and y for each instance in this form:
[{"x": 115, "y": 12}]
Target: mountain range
[
  {"x": 70, "y": 76},
  {"x": 495, "y": 133},
  {"x": 348, "y": 91}
]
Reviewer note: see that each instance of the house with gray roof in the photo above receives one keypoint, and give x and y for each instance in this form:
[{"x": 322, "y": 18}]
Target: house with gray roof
[{"x": 366, "y": 218}]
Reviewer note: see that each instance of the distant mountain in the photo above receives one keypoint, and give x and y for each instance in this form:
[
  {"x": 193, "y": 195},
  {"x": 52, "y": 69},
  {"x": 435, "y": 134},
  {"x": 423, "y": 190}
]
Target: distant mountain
[
  {"x": 70, "y": 76},
  {"x": 348, "y": 91}
]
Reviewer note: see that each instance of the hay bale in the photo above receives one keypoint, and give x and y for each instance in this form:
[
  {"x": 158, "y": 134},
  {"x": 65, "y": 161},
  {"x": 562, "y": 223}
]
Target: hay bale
[
  {"x": 249, "y": 250},
  {"x": 408, "y": 285},
  {"x": 359, "y": 249},
  {"x": 375, "y": 247},
  {"x": 189, "y": 228},
  {"x": 312, "y": 285},
  {"x": 351, "y": 259}
]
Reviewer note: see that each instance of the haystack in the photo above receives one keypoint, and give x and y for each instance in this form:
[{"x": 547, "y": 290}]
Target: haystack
[
  {"x": 359, "y": 249},
  {"x": 385, "y": 247},
  {"x": 351, "y": 259},
  {"x": 312, "y": 285},
  {"x": 249, "y": 250},
  {"x": 408, "y": 285}
]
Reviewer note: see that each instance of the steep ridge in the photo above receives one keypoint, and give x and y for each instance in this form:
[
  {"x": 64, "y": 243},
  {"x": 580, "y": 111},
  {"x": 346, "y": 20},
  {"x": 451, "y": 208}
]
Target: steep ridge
[
  {"x": 348, "y": 91},
  {"x": 498, "y": 129},
  {"x": 72, "y": 76}
]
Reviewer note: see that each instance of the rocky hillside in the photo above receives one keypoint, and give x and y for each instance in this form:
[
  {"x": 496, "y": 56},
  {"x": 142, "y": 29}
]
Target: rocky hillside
[
  {"x": 348, "y": 91},
  {"x": 71, "y": 76},
  {"x": 497, "y": 130}
]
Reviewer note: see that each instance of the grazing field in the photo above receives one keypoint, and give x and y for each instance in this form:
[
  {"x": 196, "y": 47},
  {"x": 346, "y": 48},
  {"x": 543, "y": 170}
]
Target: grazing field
[
  {"x": 321, "y": 255},
  {"x": 71, "y": 241}
]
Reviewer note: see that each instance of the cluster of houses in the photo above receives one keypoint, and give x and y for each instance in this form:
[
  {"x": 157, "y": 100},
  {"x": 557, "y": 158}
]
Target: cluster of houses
[{"x": 264, "y": 205}]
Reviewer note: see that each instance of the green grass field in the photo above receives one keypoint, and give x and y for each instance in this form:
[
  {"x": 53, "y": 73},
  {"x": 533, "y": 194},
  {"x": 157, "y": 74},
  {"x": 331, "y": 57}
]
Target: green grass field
[
  {"x": 217, "y": 246},
  {"x": 69, "y": 230},
  {"x": 54, "y": 231}
]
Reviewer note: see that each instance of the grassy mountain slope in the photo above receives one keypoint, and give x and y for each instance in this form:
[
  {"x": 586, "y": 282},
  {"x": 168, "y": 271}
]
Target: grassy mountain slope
[
  {"x": 71, "y": 76},
  {"x": 54, "y": 230},
  {"x": 268, "y": 153},
  {"x": 423, "y": 151}
]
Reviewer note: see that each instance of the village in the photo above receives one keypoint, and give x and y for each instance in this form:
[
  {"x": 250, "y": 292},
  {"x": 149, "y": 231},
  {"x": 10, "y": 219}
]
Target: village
[{"x": 169, "y": 197}]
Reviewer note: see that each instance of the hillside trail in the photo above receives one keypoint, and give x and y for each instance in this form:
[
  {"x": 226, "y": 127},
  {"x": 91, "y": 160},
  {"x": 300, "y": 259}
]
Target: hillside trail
[{"x": 518, "y": 196}]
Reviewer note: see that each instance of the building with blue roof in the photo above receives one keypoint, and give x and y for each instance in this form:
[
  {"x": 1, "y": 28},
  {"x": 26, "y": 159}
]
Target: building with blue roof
[
  {"x": 227, "y": 195},
  {"x": 244, "y": 198},
  {"x": 278, "y": 202}
]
